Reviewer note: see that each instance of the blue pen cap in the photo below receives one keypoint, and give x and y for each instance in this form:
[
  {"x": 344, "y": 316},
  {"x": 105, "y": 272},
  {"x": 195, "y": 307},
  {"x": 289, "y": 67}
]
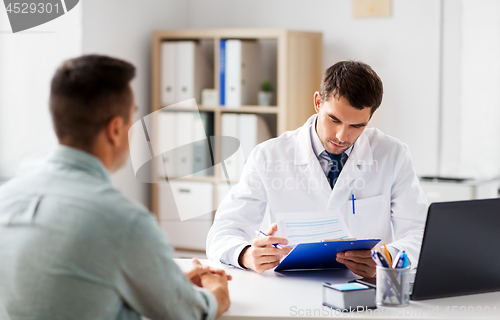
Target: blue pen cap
[{"x": 403, "y": 260}]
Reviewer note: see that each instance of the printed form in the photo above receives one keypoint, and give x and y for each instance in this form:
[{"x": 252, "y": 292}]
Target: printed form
[{"x": 305, "y": 227}]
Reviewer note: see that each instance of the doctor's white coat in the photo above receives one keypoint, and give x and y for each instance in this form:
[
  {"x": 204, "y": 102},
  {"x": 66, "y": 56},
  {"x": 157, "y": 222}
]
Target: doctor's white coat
[{"x": 285, "y": 174}]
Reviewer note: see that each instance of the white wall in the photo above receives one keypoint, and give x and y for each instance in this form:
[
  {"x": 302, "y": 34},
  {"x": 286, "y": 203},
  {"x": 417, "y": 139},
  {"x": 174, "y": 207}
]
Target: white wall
[
  {"x": 451, "y": 118},
  {"x": 28, "y": 61},
  {"x": 480, "y": 87},
  {"x": 471, "y": 82},
  {"x": 420, "y": 103},
  {"x": 403, "y": 49},
  {"x": 123, "y": 28}
]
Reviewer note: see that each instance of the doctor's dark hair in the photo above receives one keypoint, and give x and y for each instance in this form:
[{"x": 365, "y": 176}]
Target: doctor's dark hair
[
  {"x": 86, "y": 93},
  {"x": 356, "y": 82}
]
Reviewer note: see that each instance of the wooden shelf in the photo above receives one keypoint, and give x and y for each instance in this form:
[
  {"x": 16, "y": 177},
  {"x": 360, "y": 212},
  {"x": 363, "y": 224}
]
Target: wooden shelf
[
  {"x": 242, "y": 109},
  {"x": 196, "y": 178},
  {"x": 299, "y": 70},
  {"x": 250, "y": 109},
  {"x": 212, "y": 179},
  {"x": 298, "y": 67},
  {"x": 200, "y": 108},
  {"x": 233, "y": 33}
]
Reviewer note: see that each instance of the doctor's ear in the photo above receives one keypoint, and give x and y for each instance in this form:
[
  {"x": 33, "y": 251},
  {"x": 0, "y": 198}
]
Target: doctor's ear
[{"x": 317, "y": 101}]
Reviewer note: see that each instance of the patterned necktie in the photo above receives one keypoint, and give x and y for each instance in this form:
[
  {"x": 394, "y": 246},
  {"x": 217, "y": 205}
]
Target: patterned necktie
[{"x": 335, "y": 169}]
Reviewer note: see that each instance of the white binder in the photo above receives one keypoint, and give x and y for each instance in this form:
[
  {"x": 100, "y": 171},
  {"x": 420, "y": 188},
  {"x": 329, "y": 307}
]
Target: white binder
[
  {"x": 183, "y": 142},
  {"x": 185, "y": 72},
  {"x": 232, "y": 163},
  {"x": 165, "y": 143},
  {"x": 253, "y": 130},
  {"x": 168, "y": 72},
  {"x": 193, "y": 72},
  {"x": 242, "y": 72}
]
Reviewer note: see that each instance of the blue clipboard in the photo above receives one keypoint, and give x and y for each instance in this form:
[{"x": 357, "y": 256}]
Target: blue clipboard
[{"x": 321, "y": 255}]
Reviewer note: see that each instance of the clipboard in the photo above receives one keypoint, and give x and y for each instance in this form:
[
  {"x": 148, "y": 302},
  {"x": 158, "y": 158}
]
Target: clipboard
[{"x": 322, "y": 255}]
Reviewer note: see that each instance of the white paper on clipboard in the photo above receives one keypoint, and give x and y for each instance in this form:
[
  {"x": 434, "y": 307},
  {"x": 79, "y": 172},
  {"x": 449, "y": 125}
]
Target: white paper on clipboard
[{"x": 305, "y": 227}]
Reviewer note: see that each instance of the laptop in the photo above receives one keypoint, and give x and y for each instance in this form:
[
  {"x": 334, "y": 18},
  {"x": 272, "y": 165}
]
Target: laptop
[{"x": 459, "y": 253}]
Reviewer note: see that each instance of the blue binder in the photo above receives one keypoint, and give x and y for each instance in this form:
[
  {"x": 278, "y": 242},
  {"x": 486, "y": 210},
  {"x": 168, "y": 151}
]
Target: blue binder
[
  {"x": 321, "y": 255},
  {"x": 222, "y": 72}
]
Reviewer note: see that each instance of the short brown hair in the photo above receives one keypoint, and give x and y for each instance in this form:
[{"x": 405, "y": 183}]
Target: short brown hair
[
  {"x": 86, "y": 93},
  {"x": 356, "y": 82}
]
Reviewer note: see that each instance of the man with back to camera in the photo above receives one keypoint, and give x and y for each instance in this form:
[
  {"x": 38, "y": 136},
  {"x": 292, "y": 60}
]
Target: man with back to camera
[
  {"x": 72, "y": 246},
  {"x": 318, "y": 168}
]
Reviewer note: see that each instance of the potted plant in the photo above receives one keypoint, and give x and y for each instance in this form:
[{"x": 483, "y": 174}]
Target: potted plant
[{"x": 265, "y": 93}]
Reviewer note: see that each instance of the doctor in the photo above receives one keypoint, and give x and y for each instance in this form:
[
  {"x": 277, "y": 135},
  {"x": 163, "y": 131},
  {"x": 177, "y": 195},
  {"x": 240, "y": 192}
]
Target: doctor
[{"x": 318, "y": 168}]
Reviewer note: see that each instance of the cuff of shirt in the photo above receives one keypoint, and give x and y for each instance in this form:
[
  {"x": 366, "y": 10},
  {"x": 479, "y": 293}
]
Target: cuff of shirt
[
  {"x": 233, "y": 256},
  {"x": 212, "y": 304}
]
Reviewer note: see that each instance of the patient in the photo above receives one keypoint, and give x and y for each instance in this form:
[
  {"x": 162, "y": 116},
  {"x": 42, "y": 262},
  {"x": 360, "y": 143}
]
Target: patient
[{"x": 74, "y": 247}]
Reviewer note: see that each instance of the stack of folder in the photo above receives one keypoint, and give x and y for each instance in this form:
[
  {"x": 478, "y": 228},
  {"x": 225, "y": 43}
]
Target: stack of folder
[
  {"x": 184, "y": 137},
  {"x": 185, "y": 72}
]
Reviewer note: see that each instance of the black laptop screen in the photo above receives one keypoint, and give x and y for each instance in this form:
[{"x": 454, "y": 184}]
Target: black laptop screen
[{"x": 460, "y": 251}]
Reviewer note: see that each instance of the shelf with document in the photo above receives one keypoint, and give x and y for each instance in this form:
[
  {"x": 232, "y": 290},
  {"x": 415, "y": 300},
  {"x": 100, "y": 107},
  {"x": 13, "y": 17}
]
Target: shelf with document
[
  {"x": 194, "y": 178},
  {"x": 191, "y": 108},
  {"x": 211, "y": 179},
  {"x": 232, "y": 66},
  {"x": 252, "y": 109},
  {"x": 242, "y": 109}
]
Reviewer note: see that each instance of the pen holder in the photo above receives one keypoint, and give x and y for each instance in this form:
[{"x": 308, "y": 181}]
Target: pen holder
[{"x": 393, "y": 287}]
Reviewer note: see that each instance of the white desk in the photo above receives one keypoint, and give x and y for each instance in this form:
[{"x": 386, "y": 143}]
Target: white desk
[{"x": 276, "y": 296}]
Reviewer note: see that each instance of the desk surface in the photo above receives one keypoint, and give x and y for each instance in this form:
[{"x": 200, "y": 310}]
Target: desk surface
[{"x": 277, "y": 296}]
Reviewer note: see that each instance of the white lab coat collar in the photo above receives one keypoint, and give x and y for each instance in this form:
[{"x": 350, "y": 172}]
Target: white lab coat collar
[{"x": 303, "y": 148}]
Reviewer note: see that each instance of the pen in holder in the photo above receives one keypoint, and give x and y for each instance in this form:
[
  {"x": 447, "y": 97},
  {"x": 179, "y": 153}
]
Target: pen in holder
[{"x": 393, "y": 287}]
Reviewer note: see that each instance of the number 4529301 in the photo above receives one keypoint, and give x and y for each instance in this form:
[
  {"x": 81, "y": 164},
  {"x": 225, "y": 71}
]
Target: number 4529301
[{"x": 32, "y": 7}]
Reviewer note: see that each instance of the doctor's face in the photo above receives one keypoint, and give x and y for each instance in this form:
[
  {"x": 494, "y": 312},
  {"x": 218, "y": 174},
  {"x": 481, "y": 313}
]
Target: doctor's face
[{"x": 339, "y": 124}]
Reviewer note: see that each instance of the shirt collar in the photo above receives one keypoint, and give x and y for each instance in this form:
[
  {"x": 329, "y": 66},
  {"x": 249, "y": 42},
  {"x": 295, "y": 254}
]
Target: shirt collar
[
  {"x": 317, "y": 146},
  {"x": 80, "y": 160}
]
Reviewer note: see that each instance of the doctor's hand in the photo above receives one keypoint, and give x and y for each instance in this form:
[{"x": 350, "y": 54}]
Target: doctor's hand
[
  {"x": 359, "y": 262},
  {"x": 262, "y": 255}
]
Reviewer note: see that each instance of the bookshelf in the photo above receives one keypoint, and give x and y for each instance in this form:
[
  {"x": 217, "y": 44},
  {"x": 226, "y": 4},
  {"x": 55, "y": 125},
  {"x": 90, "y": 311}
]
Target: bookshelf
[{"x": 296, "y": 64}]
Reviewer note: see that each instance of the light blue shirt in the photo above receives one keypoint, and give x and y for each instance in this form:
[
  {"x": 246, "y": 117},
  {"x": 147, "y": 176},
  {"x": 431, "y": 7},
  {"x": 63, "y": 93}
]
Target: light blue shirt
[{"x": 73, "y": 247}]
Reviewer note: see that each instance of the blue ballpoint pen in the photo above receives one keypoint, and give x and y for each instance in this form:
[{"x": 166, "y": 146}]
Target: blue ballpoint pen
[
  {"x": 401, "y": 260},
  {"x": 353, "y": 197},
  {"x": 375, "y": 258},
  {"x": 262, "y": 234},
  {"x": 380, "y": 259}
]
